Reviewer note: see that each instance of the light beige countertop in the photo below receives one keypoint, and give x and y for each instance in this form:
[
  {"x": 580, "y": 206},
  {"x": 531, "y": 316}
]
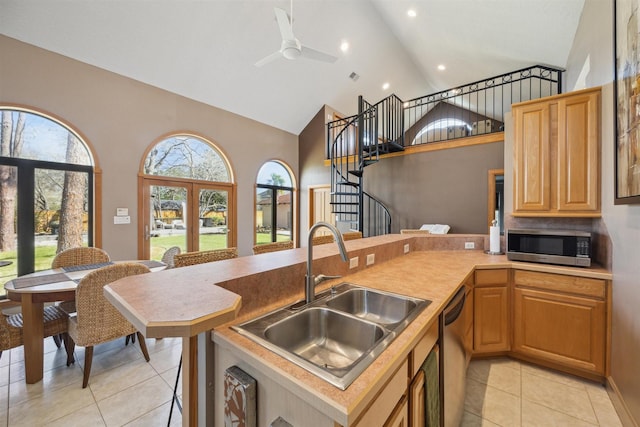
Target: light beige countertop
[{"x": 182, "y": 302}]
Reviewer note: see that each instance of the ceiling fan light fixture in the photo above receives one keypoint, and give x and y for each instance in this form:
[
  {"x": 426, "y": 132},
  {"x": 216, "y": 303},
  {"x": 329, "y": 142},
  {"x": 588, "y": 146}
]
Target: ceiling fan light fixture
[{"x": 291, "y": 53}]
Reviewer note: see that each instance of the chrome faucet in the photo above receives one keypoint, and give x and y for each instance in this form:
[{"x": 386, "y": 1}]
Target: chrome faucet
[{"x": 312, "y": 281}]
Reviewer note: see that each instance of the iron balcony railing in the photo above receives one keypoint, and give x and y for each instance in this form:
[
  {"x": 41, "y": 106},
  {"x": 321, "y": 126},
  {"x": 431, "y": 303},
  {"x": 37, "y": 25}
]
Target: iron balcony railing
[{"x": 472, "y": 109}]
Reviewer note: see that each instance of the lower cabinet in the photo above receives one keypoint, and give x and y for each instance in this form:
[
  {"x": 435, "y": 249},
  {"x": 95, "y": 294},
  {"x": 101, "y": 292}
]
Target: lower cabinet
[
  {"x": 561, "y": 319},
  {"x": 400, "y": 416},
  {"x": 417, "y": 399},
  {"x": 491, "y": 311}
]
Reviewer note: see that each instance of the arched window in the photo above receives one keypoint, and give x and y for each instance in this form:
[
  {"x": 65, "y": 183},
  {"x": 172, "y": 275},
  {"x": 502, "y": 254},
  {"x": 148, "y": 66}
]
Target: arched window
[
  {"x": 46, "y": 191},
  {"x": 188, "y": 197},
  {"x": 274, "y": 203},
  {"x": 442, "y": 129}
]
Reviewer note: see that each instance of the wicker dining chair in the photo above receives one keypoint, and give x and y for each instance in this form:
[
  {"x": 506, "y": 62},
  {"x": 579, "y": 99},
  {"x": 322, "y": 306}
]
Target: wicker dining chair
[
  {"x": 351, "y": 235},
  {"x": 80, "y": 256},
  {"x": 168, "y": 257},
  {"x": 272, "y": 247},
  {"x": 83, "y": 255},
  {"x": 193, "y": 258},
  {"x": 414, "y": 231},
  {"x": 11, "y": 326},
  {"x": 321, "y": 240},
  {"x": 97, "y": 320}
]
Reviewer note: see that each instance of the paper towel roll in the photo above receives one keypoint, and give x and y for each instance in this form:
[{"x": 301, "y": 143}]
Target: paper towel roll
[{"x": 494, "y": 239}]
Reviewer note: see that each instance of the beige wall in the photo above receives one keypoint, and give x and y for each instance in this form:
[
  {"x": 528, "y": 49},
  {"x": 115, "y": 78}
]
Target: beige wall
[
  {"x": 593, "y": 51},
  {"x": 438, "y": 187},
  {"x": 121, "y": 117}
]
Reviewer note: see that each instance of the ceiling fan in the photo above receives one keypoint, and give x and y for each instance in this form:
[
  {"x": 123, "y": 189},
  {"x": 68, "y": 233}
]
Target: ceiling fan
[{"x": 291, "y": 48}]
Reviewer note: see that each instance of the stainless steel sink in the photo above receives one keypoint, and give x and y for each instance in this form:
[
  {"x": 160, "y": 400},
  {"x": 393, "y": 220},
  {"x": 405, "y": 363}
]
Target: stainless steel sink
[
  {"x": 374, "y": 306},
  {"x": 339, "y": 334},
  {"x": 325, "y": 337}
]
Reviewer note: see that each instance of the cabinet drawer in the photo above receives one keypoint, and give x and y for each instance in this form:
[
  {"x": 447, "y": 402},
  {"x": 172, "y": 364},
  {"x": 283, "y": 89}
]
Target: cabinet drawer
[
  {"x": 384, "y": 404},
  {"x": 595, "y": 288},
  {"x": 492, "y": 277},
  {"x": 422, "y": 349}
]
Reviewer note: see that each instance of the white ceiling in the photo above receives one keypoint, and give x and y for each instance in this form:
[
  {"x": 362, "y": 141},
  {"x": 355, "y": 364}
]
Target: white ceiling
[{"x": 206, "y": 49}]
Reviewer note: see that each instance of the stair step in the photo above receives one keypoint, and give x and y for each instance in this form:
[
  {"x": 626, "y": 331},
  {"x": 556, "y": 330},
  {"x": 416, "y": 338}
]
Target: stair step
[
  {"x": 345, "y": 213},
  {"x": 352, "y": 184},
  {"x": 356, "y": 172},
  {"x": 343, "y": 193},
  {"x": 345, "y": 203}
]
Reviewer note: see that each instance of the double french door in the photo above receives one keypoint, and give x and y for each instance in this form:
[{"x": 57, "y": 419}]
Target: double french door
[{"x": 195, "y": 216}]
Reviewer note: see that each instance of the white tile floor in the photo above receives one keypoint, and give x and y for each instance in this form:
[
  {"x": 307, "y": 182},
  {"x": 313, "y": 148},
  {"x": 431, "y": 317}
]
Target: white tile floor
[
  {"x": 125, "y": 390},
  {"x": 505, "y": 392}
]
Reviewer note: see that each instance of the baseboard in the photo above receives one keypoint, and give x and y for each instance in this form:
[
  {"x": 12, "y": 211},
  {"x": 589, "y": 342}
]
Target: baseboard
[{"x": 620, "y": 406}]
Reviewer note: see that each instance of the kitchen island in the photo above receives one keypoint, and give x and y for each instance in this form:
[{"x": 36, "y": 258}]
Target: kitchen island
[{"x": 269, "y": 281}]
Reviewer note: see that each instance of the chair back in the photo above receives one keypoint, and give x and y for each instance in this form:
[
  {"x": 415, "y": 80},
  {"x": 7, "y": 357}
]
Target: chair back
[
  {"x": 414, "y": 231},
  {"x": 351, "y": 235},
  {"x": 98, "y": 320},
  {"x": 169, "y": 256},
  {"x": 80, "y": 256},
  {"x": 193, "y": 258},
  {"x": 272, "y": 247},
  {"x": 321, "y": 240}
]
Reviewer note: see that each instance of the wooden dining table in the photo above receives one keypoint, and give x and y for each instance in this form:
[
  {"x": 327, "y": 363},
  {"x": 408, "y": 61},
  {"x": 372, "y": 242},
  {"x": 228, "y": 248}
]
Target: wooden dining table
[{"x": 33, "y": 291}]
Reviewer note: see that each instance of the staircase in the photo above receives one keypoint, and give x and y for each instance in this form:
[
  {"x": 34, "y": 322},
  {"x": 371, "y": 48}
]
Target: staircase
[
  {"x": 355, "y": 143},
  {"x": 474, "y": 109}
]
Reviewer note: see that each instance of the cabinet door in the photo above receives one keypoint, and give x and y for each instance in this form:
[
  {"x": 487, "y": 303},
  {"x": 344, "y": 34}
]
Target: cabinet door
[
  {"x": 491, "y": 323},
  {"x": 564, "y": 329},
  {"x": 578, "y": 153},
  {"x": 400, "y": 415},
  {"x": 532, "y": 168},
  {"x": 417, "y": 410}
]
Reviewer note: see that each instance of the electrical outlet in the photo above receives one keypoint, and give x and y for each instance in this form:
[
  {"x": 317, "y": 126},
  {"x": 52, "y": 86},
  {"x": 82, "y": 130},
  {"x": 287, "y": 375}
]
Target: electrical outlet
[
  {"x": 371, "y": 258},
  {"x": 353, "y": 262},
  {"x": 406, "y": 248},
  {"x": 469, "y": 245}
]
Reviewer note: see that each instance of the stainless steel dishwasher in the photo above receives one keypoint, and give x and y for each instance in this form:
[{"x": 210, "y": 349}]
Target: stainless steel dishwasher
[{"x": 455, "y": 360}]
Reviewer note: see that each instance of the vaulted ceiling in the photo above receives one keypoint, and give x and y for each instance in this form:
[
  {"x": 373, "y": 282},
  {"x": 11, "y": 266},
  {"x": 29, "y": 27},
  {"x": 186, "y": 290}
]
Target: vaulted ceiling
[{"x": 206, "y": 49}]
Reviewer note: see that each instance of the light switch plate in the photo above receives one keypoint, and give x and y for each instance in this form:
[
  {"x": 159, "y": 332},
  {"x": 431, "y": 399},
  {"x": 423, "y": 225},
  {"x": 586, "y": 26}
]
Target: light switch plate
[
  {"x": 353, "y": 262},
  {"x": 371, "y": 258},
  {"x": 406, "y": 248}
]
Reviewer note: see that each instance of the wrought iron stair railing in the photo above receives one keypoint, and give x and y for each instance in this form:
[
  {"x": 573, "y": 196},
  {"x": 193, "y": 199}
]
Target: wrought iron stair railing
[{"x": 477, "y": 108}]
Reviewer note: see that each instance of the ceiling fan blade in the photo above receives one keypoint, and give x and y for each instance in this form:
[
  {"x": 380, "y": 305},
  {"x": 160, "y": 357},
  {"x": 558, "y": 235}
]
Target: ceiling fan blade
[
  {"x": 307, "y": 52},
  {"x": 284, "y": 24},
  {"x": 269, "y": 58}
]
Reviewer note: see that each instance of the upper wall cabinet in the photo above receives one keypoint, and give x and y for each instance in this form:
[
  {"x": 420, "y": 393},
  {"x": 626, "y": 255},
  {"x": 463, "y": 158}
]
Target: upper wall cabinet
[{"x": 557, "y": 156}]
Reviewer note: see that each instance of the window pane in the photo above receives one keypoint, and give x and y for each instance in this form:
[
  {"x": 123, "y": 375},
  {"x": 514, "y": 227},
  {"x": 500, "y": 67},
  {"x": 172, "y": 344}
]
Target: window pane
[
  {"x": 264, "y": 215},
  {"x": 284, "y": 217},
  {"x": 8, "y": 216},
  {"x": 40, "y": 138},
  {"x": 274, "y": 173},
  {"x": 186, "y": 157},
  {"x": 169, "y": 219},
  {"x": 213, "y": 214}
]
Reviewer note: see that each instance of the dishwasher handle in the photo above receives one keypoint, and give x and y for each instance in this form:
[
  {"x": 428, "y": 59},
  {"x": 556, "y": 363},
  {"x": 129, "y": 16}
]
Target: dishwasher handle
[{"x": 454, "y": 308}]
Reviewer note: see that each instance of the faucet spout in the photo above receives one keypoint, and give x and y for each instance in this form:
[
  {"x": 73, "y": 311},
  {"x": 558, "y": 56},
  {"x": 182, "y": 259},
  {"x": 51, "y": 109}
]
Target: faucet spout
[{"x": 310, "y": 279}]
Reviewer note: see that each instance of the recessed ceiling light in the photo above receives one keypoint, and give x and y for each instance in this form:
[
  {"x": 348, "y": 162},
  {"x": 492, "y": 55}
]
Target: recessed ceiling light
[
  {"x": 411, "y": 13},
  {"x": 385, "y": 86},
  {"x": 441, "y": 67},
  {"x": 344, "y": 46}
]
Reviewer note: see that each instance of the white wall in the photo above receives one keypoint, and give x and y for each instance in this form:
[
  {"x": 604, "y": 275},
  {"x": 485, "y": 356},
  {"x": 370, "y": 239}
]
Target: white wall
[{"x": 590, "y": 63}]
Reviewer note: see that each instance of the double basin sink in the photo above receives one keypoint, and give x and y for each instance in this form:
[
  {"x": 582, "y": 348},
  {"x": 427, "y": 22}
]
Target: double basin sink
[{"x": 339, "y": 334}]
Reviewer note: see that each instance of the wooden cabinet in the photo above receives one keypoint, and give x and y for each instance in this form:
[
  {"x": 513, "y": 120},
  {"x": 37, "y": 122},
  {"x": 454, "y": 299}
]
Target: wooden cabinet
[
  {"x": 491, "y": 311},
  {"x": 561, "y": 319},
  {"x": 400, "y": 416},
  {"x": 557, "y": 155},
  {"x": 417, "y": 399}
]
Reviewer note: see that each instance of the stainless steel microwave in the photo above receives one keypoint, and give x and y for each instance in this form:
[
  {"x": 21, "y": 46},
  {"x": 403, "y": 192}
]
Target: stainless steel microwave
[{"x": 564, "y": 247}]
